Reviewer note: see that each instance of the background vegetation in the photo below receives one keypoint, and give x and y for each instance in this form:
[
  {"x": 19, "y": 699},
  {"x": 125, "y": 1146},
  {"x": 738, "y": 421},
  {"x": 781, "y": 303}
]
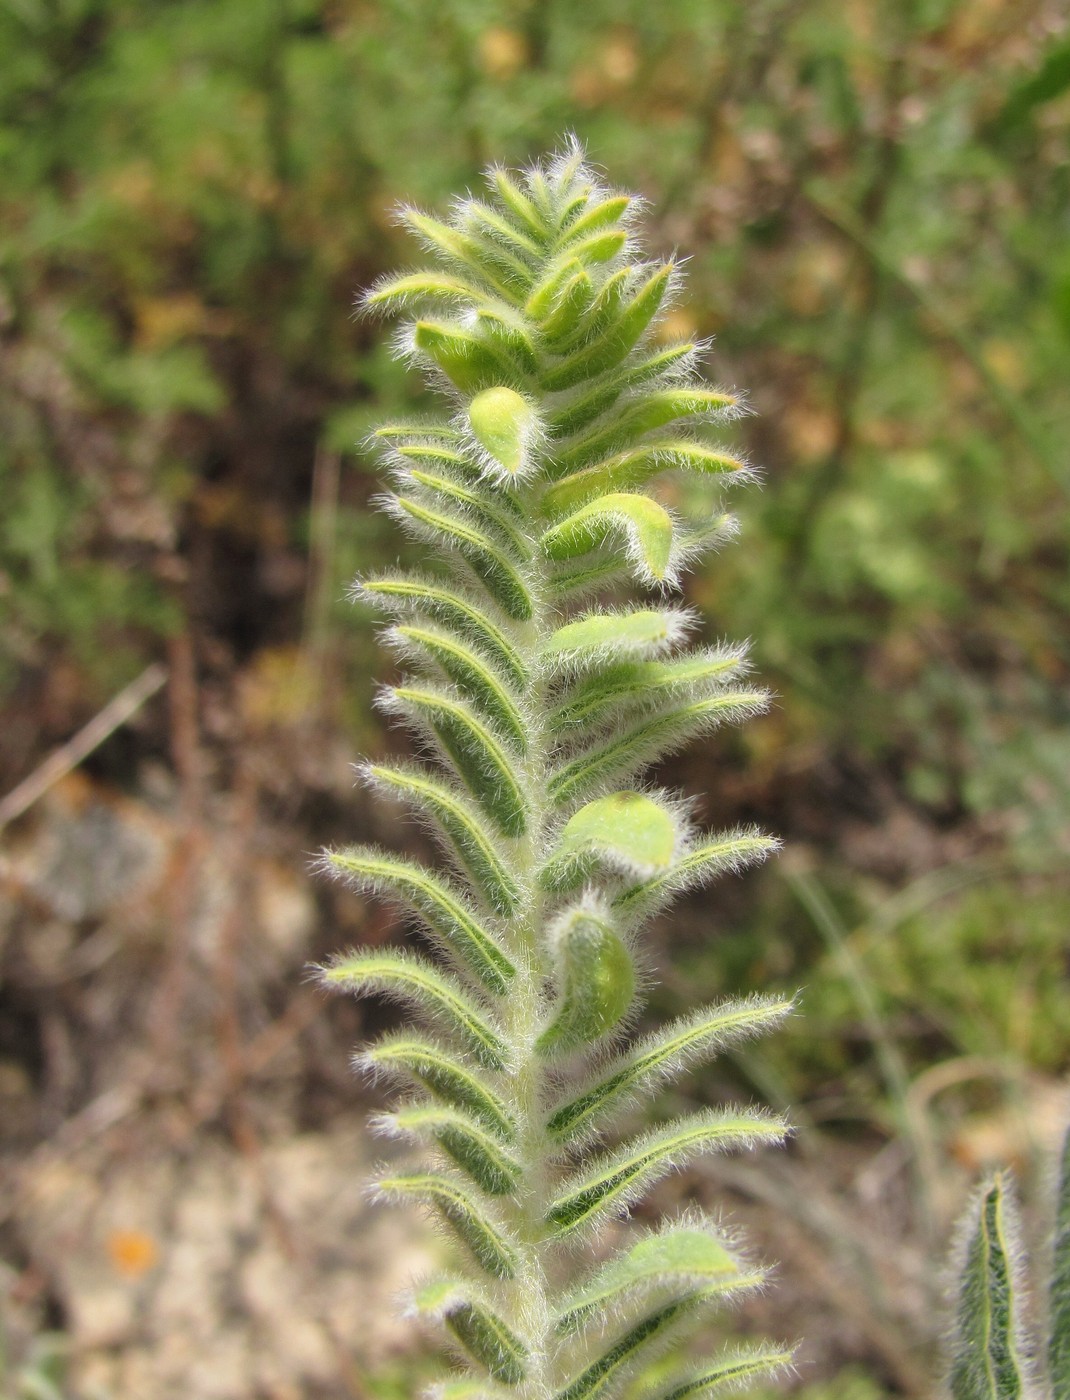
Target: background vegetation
[{"x": 874, "y": 201}]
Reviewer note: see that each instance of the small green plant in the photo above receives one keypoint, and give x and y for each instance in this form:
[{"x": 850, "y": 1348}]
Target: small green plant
[
  {"x": 993, "y": 1355},
  {"x": 540, "y": 694}
]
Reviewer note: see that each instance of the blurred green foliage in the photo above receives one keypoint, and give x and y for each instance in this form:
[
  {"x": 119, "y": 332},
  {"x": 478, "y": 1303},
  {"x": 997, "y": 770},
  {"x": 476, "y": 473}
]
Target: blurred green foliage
[{"x": 874, "y": 199}]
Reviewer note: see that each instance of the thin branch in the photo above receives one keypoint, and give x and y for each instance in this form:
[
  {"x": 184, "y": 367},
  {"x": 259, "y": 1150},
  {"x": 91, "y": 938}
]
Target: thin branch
[{"x": 58, "y": 764}]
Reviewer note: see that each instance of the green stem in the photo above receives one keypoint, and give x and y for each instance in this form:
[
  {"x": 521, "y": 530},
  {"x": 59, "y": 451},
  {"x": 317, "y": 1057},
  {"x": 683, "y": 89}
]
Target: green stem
[{"x": 530, "y": 1312}]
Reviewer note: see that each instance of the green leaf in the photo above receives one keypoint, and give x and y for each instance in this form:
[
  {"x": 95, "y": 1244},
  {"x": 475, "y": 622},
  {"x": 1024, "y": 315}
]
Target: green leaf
[
  {"x": 680, "y": 1258},
  {"x": 393, "y": 292},
  {"x": 470, "y": 493},
  {"x": 589, "y": 403},
  {"x": 641, "y": 413},
  {"x": 471, "y": 673},
  {"x": 625, "y": 1353},
  {"x": 689, "y": 1041},
  {"x": 601, "y": 636},
  {"x": 636, "y": 466},
  {"x": 440, "y": 908},
  {"x": 413, "y": 593},
  {"x": 487, "y": 1339},
  {"x": 417, "y": 982},
  {"x": 734, "y": 1369},
  {"x": 466, "y": 359},
  {"x": 560, "y": 298},
  {"x": 481, "y": 218},
  {"x": 505, "y": 424},
  {"x": 518, "y": 204},
  {"x": 475, "y": 848},
  {"x": 488, "y": 560},
  {"x": 618, "y": 339},
  {"x": 1059, "y": 1303},
  {"x": 599, "y": 247},
  {"x": 630, "y": 750},
  {"x": 595, "y": 979},
  {"x": 493, "y": 266},
  {"x": 440, "y": 434},
  {"x": 729, "y": 851},
  {"x": 486, "y": 1240},
  {"x": 507, "y": 333},
  {"x": 628, "y": 830},
  {"x": 614, "y": 1183},
  {"x": 647, "y": 529},
  {"x": 477, "y": 1152},
  {"x": 646, "y": 684},
  {"x": 445, "y": 1077},
  {"x": 987, "y": 1342},
  {"x": 477, "y": 753},
  {"x": 598, "y": 214}
]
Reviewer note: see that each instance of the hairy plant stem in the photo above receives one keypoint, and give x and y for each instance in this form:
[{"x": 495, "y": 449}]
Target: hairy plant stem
[{"x": 531, "y": 1311}]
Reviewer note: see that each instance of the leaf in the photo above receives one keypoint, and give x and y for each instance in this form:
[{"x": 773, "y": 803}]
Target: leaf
[
  {"x": 440, "y": 434},
  {"x": 632, "y": 749},
  {"x": 618, "y": 339},
  {"x": 486, "y": 1241},
  {"x": 646, "y": 526},
  {"x": 412, "y": 593},
  {"x": 504, "y": 331},
  {"x": 475, "y": 848},
  {"x": 599, "y": 636},
  {"x": 442, "y": 910},
  {"x": 733, "y": 850},
  {"x": 611, "y": 1184},
  {"x": 641, "y": 413},
  {"x": 688, "y": 1041},
  {"x": 495, "y": 267},
  {"x": 732, "y": 1370},
  {"x": 628, "y": 830},
  {"x": 473, "y": 1149},
  {"x": 987, "y": 1343},
  {"x": 598, "y": 214},
  {"x": 468, "y": 670},
  {"x": 599, "y": 247},
  {"x": 481, "y": 218},
  {"x": 517, "y": 202},
  {"x": 681, "y": 1258},
  {"x": 589, "y": 403},
  {"x": 505, "y": 425},
  {"x": 472, "y": 498},
  {"x": 603, "y": 695},
  {"x": 488, "y": 560},
  {"x": 621, "y": 1358},
  {"x": 558, "y": 301},
  {"x": 422, "y": 985},
  {"x": 476, "y": 751},
  {"x": 635, "y": 467},
  {"x": 595, "y": 979},
  {"x": 1059, "y": 1303},
  {"x": 443, "y": 1076},
  {"x": 489, "y": 1341},
  {"x": 466, "y": 359},
  {"x": 392, "y": 292}
]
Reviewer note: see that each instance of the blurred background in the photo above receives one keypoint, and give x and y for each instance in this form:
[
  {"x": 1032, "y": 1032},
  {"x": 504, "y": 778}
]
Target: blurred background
[{"x": 873, "y": 197}]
